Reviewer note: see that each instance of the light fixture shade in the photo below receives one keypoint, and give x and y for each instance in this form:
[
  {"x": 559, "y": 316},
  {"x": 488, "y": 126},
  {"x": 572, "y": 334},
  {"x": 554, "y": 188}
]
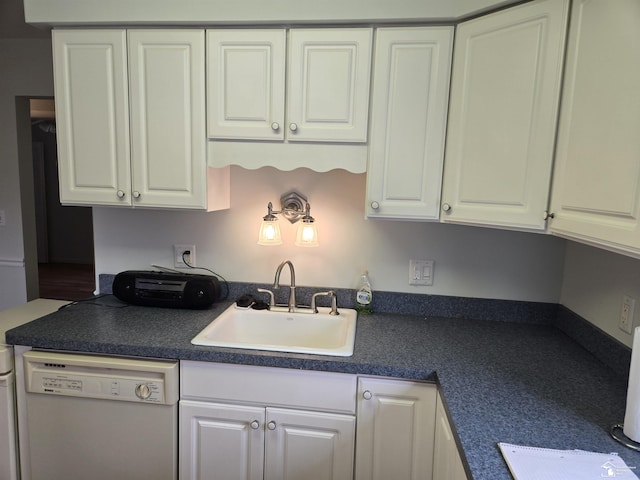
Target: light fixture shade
[
  {"x": 307, "y": 235},
  {"x": 269, "y": 232}
]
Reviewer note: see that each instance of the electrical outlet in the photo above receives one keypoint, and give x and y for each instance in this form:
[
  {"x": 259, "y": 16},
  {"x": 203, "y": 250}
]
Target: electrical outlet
[
  {"x": 626, "y": 313},
  {"x": 178, "y": 250},
  {"x": 421, "y": 272}
]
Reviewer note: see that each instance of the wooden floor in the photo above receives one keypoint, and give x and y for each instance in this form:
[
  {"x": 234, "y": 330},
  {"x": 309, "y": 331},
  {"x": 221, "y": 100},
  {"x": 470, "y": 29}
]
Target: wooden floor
[{"x": 66, "y": 281}]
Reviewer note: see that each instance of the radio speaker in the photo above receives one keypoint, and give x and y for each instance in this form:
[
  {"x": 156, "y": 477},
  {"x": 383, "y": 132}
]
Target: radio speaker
[{"x": 160, "y": 289}]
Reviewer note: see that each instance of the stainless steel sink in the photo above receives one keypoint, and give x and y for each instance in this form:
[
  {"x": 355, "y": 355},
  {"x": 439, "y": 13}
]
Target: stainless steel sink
[{"x": 316, "y": 333}]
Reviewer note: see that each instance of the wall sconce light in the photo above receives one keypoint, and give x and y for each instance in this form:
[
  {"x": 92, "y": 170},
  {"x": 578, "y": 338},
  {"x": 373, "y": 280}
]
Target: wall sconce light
[{"x": 294, "y": 207}]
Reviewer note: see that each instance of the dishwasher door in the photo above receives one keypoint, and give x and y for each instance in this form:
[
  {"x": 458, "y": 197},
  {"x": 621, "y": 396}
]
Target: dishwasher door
[
  {"x": 100, "y": 418},
  {"x": 8, "y": 457}
]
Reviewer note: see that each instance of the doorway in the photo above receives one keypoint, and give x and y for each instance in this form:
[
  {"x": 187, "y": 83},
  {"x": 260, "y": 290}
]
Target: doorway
[{"x": 64, "y": 234}]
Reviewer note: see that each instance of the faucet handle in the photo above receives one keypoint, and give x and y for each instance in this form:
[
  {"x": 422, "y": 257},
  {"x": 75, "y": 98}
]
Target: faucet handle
[
  {"x": 334, "y": 301},
  {"x": 272, "y": 300}
]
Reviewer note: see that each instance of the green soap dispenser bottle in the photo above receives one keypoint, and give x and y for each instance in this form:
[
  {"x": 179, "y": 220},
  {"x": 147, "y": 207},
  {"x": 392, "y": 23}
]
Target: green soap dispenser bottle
[{"x": 364, "y": 295}]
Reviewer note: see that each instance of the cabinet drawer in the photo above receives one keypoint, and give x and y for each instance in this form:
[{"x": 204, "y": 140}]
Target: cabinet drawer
[{"x": 268, "y": 386}]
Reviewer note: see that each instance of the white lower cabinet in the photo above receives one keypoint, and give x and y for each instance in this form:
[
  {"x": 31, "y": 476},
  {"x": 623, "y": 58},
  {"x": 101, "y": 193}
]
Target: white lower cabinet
[
  {"x": 241, "y": 422},
  {"x": 252, "y": 423},
  {"x": 219, "y": 441},
  {"x": 447, "y": 464},
  {"x": 245, "y": 442},
  {"x": 396, "y": 421}
]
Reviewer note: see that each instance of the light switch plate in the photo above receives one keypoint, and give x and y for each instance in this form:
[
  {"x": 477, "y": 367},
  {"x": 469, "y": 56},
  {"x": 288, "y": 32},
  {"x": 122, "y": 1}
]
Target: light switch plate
[{"x": 421, "y": 272}]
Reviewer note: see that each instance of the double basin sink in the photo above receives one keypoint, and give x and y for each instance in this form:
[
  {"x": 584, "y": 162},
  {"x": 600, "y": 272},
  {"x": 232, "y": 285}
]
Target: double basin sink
[{"x": 281, "y": 331}]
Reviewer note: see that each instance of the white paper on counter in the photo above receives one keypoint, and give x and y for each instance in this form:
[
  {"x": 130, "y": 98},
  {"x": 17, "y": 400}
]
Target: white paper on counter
[
  {"x": 632, "y": 414},
  {"x": 533, "y": 463}
]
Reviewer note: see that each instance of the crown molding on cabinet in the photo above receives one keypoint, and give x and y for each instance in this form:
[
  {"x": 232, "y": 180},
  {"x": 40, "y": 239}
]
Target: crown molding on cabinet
[{"x": 222, "y": 12}]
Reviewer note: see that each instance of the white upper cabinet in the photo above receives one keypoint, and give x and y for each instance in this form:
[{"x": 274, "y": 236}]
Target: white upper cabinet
[
  {"x": 505, "y": 88},
  {"x": 596, "y": 192},
  {"x": 328, "y": 90},
  {"x": 131, "y": 116},
  {"x": 258, "y": 117},
  {"x": 92, "y": 116},
  {"x": 246, "y": 72},
  {"x": 167, "y": 96},
  {"x": 408, "y": 119}
]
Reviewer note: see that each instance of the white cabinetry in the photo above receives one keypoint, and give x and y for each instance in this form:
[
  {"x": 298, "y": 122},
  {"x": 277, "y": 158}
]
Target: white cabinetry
[
  {"x": 254, "y": 422},
  {"x": 245, "y": 84},
  {"x": 396, "y": 421},
  {"x": 92, "y": 116},
  {"x": 505, "y": 88},
  {"x": 596, "y": 191},
  {"x": 447, "y": 464},
  {"x": 326, "y": 94},
  {"x": 408, "y": 118},
  {"x": 155, "y": 80}
]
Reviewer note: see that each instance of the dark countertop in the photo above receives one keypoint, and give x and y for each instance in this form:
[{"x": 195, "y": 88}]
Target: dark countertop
[{"x": 519, "y": 383}]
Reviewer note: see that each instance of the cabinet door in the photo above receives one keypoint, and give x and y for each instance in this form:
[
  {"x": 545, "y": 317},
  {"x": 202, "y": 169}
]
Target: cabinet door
[
  {"x": 596, "y": 191},
  {"x": 447, "y": 464},
  {"x": 502, "y": 117},
  {"x": 167, "y": 91},
  {"x": 245, "y": 83},
  {"x": 92, "y": 116},
  {"x": 220, "y": 441},
  {"x": 328, "y": 84},
  {"x": 408, "y": 118},
  {"x": 396, "y": 422},
  {"x": 309, "y": 445}
]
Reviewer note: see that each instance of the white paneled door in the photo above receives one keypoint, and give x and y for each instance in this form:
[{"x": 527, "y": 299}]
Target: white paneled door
[
  {"x": 505, "y": 91},
  {"x": 596, "y": 192},
  {"x": 92, "y": 116},
  {"x": 408, "y": 122},
  {"x": 167, "y": 95}
]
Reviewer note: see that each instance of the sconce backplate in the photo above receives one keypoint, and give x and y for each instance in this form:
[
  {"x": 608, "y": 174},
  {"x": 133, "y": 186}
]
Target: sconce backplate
[{"x": 293, "y": 205}]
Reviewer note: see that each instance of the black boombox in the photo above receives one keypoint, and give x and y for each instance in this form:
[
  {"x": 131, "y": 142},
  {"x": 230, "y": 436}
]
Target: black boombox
[{"x": 165, "y": 289}]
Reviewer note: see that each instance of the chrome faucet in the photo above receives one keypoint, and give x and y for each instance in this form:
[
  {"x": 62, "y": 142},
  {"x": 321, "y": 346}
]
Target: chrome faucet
[{"x": 292, "y": 287}]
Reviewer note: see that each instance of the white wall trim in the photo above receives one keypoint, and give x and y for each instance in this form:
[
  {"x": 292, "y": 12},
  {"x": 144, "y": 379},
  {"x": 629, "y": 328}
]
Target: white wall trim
[{"x": 10, "y": 262}]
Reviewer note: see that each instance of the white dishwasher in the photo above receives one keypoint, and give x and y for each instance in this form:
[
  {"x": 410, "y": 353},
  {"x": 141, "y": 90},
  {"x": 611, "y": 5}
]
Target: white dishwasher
[{"x": 98, "y": 417}]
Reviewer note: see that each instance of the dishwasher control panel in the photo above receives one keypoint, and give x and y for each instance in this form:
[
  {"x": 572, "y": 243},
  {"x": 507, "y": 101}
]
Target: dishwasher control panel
[{"x": 133, "y": 380}]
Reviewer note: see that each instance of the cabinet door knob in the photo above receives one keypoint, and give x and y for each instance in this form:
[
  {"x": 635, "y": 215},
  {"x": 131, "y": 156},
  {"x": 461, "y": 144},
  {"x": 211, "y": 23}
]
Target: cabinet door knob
[
  {"x": 120, "y": 194},
  {"x": 293, "y": 127},
  {"x": 548, "y": 215},
  {"x": 375, "y": 205},
  {"x": 367, "y": 395},
  {"x": 136, "y": 194},
  {"x": 275, "y": 126},
  {"x": 446, "y": 207},
  {"x": 255, "y": 424},
  {"x": 271, "y": 425}
]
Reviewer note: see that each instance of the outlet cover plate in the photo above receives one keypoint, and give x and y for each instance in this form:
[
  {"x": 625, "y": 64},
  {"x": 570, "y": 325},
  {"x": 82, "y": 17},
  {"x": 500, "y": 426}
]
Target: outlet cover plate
[
  {"x": 178, "y": 262},
  {"x": 627, "y": 313}
]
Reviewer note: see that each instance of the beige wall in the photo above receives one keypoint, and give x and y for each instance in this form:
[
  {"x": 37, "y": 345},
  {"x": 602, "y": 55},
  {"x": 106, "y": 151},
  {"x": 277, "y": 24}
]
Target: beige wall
[
  {"x": 595, "y": 281},
  {"x": 25, "y": 70},
  {"x": 470, "y": 261}
]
